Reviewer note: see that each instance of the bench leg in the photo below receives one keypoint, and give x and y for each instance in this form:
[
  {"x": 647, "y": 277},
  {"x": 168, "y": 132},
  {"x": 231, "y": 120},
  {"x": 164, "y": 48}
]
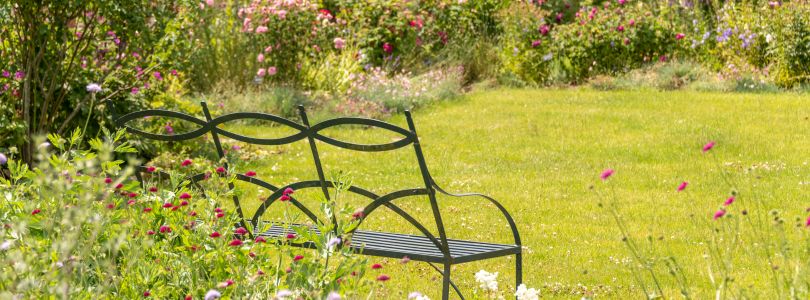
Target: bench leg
[
  {"x": 446, "y": 282},
  {"x": 452, "y": 284},
  {"x": 518, "y": 269}
]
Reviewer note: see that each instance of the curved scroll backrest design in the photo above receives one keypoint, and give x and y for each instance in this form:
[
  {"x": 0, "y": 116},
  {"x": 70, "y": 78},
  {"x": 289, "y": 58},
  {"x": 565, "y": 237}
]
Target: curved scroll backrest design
[{"x": 311, "y": 133}]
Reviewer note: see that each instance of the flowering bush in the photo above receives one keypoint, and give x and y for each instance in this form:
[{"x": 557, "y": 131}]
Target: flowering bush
[{"x": 76, "y": 226}]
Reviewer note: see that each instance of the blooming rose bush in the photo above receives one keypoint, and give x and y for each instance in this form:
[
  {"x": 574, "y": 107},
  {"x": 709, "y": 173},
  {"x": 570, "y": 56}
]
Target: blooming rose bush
[{"x": 77, "y": 226}]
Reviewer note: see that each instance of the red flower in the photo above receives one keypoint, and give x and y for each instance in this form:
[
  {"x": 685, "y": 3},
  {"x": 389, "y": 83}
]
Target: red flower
[
  {"x": 388, "y": 48},
  {"x": 150, "y": 169},
  {"x": 288, "y": 191},
  {"x": 215, "y": 234},
  {"x": 260, "y": 239},
  {"x": 383, "y": 278},
  {"x": 150, "y": 232},
  {"x": 185, "y": 196},
  {"x": 358, "y": 214},
  {"x": 153, "y": 189},
  {"x": 219, "y": 210},
  {"x": 165, "y": 229},
  {"x": 174, "y": 208},
  {"x": 298, "y": 257},
  {"x": 235, "y": 243},
  {"x": 241, "y": 231},
  {"x": 683, "y": 186},
  {"x": 679, "y": 36},
  {"x": 185, "y": 163},
  {"x": 167, "y": 205},
  {"x": 133, "y": 195},
  {"x": 220, "y": 215},
  {"x": 35, "y": 211},
  {"x": 188, "y": 297},
  {"x": 147, "y": 209},
  {"x": 183, "y": 203},
  {"x": 111, "y": 206},
  {"x": 250, "y": 173},
  {"x": 119, "y": 186},
  {"x": 729, "y": 201},
  {"x": 260, "y": 272},
  {"x": 130, "y": 202},
  {"x": 147, "y": 294},
  {"x": 284, "y": 198},
  {"x": 220, "y": 170},
  {"x": 108, "y": 180},
  {"x": 719, "y": 214},
  {"x": 606, "y": 174},
  {"x": 251, "y": 254},
  {"x": 291, "y": 236},
  {"x": 192, "y": 213},
  {"x": 708, "y": 146},
  {"x": 376, "y": 266}
]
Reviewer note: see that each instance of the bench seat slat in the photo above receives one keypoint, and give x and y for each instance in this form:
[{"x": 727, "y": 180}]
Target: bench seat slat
[{"x": 398, "y": 245}]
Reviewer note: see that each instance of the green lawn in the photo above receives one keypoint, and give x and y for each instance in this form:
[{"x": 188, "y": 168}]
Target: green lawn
[{"x": 541, "y": 151}]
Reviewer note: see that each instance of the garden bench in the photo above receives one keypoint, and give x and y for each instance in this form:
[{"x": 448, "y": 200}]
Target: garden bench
[{"x": 428, "y": 247}]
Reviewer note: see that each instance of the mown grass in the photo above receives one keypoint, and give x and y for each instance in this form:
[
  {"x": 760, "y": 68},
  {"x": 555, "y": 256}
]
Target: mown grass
[{"x": 540, "y": 153}]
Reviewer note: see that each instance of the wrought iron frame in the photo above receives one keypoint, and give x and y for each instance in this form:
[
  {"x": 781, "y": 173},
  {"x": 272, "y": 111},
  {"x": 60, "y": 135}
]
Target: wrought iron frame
[{"x": 312, "y": 135}]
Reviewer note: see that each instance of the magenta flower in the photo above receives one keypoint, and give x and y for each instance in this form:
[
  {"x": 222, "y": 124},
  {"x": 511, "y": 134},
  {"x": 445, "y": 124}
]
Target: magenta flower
[
  {"x": 241, "y": 231},
  {"x": 388, "y": 48},
  {"x": 157, "y": 76},
  {"x": 729, "y": 201},
  {"x": 215, "y": 234},
  {"x": 261, "y": 72},
  {"x": 168, "y": 205},
  {"x": 682, "y": 186},
  {"x": 383, "y": 278},
  {"x": 185, "y": 196},
  {"x": 708, "y": 146},
  {"x": 19, "y": 75},
  {"x": 134, "y": 91},
  {"x": 288, "y": 191},
  {"x": 185, "y": 163},
  {"x": 291, "y": 236},
  {"x": 260, "y": 239},
  {"x": 35, "y": 211},
  {"x": 169, "y": 128},
  {"x": 632, "y": 22},
  {"x": 298, "y": 257},
  {"x": 250, "y": 173},
  {"x": 272, "y": 71},
  {"x": 376, "y": 266},
  {"x": 150, "y": 232},
  {"x": 606, "y": 174},
  {"x": 807, "y": 223},
  {"x": 262, "y": 29},
  {"x": 147, "y": 294},
  {"x": 150, "y": 169},
  {"x": 153, "y": 189},
  {"x": 719, "y": 214},
  {"x": 622, "y": 2},
  {"x": 165, "y": 229},
  {"x": 220, "y": 170},
  {"x": 108, "y": 180},
  {"x": 147, "y": 209},
  {"x": 679, "y": 36},
  {"x": 284, "y": 198},
  {"x": 536, "y": 43},
  {"x": 620, "y": 28},
  {"x": 544, "y": 29},
  {"x": 235, "y": 243},
  {"x": 6, "y": 74}
]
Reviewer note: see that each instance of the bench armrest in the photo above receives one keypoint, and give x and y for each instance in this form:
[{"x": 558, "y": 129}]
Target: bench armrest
[{"x": 505, "y": 213}]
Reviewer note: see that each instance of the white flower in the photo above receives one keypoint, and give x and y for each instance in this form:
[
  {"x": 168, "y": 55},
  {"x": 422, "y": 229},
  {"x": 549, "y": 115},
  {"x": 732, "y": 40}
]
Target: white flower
[
  {"x": 333, "y": 242},
  {"x": 768, "y": 38},
  {"x": 333, "y": 296},
  {"x": 212, "y": 295},
  {"x": 282, "y": 294},
  {"x": 487, "y": 281},
  {"x": 417, "y": 296},
  {"x": 93, "y": 88},
  {"x": 524, "y": 293},
  {"x": 5, "y": 245}
]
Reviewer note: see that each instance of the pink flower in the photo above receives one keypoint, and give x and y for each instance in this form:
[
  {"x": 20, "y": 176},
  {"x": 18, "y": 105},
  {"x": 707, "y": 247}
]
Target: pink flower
[
  {"x": 682, "y": 186},
  {"x": 679, "y": 36},
  {"x": 240, "y": 231},
  {"x": 35, "y": 211},
  {"x": 376, "y": 266},
  {"x": 147, "y": 209},
  {"x": 620, "y": 28},
  {"x": 167, "y": 205},
  {"x": 632, "y": 22},
  {"x": 536, "y": 43},
  {"x": 111, "y": 206},
  {"x": 606, "y": 174},
  {"x": 388, "y": 48},
  {"x": 250, "y": 173},
  {"x": 192, "y": 213},
  {"x": 383, "y": 278},
  {"x": 662, "y": 58},
  {"x": 235, "y": 243},
  {"x": 184, "y": 203},
  {"x": 358, "y": 214},
  {"x": 807, "y": 223},
  {"x": 291, "y": 236},
  {"x": 298, "y": 257},
  {"x": 288, "y": 191},
  {"x": 729, "y": 201},
  {"x": 544, "y": 29},
  {"x": 220, "y": 215},
  {"x": 185, "y": 196},
  {"x": 130, "y": 202},
  {"x": 261, "y": 72},
  {"x": 119, "y": 186},
  {"x": 134, "y": 91},
  {"x": 153, "y": 189},
  {"x": 220, "y": 170},
  {"x": 622, "y": 2},
  {"x": 339, "y": 43},
  {"x": 559, "y": 17},
  {"x": 218, "y": 210},
  {"x": 215, "y": 234},
  {"x": 708, "y": 146},
  {"x": 719, "y": 214},
  {"x": 150, "y": 232},
  {"x": 260, "y": 57},
  {"x": 260, "y": 239},
  {"x": 185, "y": 163},
  {"x": 150, "y": 169},
  {"x": 165, "y": 229},
  {"x": 261, "y": 29},
  {"x": 272, "y": 71},
  {"x": 108, "y": 180},
  {"x": 132, "y": 195},
  {"x": 157, "y": 76},
  {"x": 284, "y": 198},
  {"x": 405, "y": 260}
]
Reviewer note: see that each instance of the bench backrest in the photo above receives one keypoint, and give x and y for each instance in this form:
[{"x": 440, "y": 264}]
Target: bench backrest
[{"x": 305, "y": 130}]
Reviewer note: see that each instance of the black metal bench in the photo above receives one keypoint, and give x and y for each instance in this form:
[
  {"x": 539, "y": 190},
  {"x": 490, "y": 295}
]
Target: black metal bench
[{"x": 427, "y": 248}]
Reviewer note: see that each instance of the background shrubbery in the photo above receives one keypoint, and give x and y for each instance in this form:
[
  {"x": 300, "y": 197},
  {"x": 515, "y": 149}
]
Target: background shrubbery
[{"x": 372, "y": 58}]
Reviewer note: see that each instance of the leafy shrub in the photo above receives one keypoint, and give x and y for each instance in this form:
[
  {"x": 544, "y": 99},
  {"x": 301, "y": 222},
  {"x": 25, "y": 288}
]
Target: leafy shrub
[{"x": 77, "y": 226}]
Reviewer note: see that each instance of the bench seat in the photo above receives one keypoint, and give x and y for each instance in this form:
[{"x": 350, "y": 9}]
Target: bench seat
[{"x": 399, "y": 245}]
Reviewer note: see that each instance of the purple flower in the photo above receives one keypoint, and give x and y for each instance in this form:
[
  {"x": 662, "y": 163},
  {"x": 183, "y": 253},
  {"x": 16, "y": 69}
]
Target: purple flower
[
  {"x": 536, "y": 43},
  {"x": 6, "y": 74},
  {"x": 169, "y": 128},
  {"x": 134, "y": 91},
  {"x": 157, "y": 76},
  {"x": 3, "y": 159},
  {"x": 19, "y": 75},
  {"x": 93, "y": 88}
]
